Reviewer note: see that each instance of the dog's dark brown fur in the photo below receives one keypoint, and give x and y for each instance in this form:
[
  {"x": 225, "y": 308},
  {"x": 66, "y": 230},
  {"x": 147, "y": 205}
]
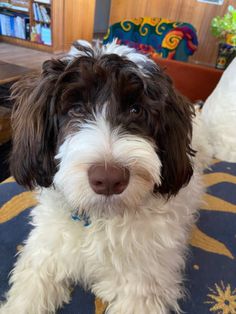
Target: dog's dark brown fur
[{"x": 52, "y": 104}]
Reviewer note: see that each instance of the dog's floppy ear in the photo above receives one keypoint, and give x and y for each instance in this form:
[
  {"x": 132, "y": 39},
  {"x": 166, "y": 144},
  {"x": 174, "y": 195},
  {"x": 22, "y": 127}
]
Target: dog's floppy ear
[
  {"x": 173, "y": 134},
  {"x": 174, "y": 140},
  {"x": 35, "y": 126}
]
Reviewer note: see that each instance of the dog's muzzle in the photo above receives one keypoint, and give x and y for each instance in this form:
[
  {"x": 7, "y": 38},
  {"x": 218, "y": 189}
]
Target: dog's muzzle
[{"x": 108, "y": 179}]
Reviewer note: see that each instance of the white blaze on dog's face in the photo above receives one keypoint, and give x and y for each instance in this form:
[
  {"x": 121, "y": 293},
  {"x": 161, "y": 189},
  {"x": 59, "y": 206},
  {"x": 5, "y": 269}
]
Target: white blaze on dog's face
[
  {"x": 105, "y": 169},
  {"x": 105, "y": 127}
]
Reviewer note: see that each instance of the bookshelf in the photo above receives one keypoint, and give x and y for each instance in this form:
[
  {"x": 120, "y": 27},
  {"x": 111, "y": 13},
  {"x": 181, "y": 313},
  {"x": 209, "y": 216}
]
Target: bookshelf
[{"x": 47, "y": 25}]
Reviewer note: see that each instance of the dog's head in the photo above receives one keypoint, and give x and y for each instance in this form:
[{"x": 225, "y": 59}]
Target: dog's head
[{"x": 106, "y": 127}]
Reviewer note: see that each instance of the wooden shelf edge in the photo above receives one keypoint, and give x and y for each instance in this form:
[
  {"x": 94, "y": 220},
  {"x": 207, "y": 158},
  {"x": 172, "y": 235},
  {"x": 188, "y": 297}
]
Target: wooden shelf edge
[
  {"x": 26, "y": 43},
  {"x": 4, "y": 10}
]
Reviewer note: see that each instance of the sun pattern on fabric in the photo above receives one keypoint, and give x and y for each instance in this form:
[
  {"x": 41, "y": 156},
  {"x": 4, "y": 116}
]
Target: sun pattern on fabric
[
  {"x": 215, "y": 204},
  {"x": 17, "y": 205},
  {"x": 100, "y": 307},
  {"x": 222, "y": 299},
  {"x": 200, "y": 240}
]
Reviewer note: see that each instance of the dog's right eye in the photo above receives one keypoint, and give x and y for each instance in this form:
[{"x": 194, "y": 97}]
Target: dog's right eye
[
  {"x": 74, "y": 107},
  {"x": 135, "y": 109}
]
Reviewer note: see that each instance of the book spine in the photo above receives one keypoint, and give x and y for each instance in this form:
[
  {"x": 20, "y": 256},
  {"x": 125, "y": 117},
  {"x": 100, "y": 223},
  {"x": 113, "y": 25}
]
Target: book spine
[
  {"x": 39, "y": 14},
  {"x": 35, "y": 12},
  {"x": 2, "y": 24},
  {"x": 5, "y": 25},
  {"x": 46, "y": 17},
  {"x": 12, "y": 31}
]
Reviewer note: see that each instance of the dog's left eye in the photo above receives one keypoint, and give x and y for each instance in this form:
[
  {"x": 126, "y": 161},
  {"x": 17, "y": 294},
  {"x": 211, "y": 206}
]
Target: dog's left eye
[{"x": 135, "y": 109}]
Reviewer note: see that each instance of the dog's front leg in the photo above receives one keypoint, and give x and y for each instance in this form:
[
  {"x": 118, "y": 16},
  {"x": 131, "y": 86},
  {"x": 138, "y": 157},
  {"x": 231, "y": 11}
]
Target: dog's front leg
[
  {"x": 38, "y": 282},
  {"x": 136, "y": 304},
  {"x": 137, "y": 297}
]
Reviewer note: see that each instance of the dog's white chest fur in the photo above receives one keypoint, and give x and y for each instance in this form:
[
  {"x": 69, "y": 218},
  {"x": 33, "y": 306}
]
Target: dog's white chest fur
[{"x": 135, "y": 254}]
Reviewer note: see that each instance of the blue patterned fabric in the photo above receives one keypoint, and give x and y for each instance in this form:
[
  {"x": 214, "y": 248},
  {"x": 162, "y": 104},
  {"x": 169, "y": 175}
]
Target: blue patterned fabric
[
  {"x": 211, "y": 267},
  {"x": 158, "y": 37}
]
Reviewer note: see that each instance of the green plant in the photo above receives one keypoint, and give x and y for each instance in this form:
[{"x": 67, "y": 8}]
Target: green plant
[{"x": 221, "y": 26}]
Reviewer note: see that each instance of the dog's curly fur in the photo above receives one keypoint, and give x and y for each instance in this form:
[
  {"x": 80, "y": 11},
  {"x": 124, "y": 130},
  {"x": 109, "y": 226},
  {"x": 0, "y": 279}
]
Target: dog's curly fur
[{"x": 104, "y": 106}]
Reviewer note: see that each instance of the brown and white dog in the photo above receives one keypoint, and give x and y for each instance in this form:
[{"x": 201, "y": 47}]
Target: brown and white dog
[{"x": 110, "y": 146}]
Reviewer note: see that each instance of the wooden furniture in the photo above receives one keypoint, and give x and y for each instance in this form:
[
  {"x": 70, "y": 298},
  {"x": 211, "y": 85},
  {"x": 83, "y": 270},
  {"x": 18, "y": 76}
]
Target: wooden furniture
[
  {"x": 199, "y": 14},
  {"x": 196, "y": 82},
  {"x": 5, "y": 124},
  {"x": 70, "y": 20},
  {"x": 11, "y": 72},
  {"x": 8, "y": 74}
]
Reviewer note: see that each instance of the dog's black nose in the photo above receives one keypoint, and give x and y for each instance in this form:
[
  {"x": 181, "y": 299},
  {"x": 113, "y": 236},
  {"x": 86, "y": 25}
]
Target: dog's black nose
[{"x": 108, "y": 179}]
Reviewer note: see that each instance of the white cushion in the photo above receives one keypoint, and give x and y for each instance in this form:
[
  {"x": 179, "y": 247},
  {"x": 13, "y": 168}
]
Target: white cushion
[{"x": 219, "y": 115}]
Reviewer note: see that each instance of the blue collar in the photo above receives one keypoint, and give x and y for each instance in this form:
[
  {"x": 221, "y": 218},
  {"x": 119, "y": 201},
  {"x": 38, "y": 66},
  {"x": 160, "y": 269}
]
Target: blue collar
[{"x": 83, "y": 217}]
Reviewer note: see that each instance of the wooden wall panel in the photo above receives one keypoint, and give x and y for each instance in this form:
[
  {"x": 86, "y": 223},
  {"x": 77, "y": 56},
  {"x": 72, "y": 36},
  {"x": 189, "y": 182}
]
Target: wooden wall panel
[
  {"x": 79, "y": 20},
  {"x": 57, "y": 25},
  {"x": 197, "y": 13}
]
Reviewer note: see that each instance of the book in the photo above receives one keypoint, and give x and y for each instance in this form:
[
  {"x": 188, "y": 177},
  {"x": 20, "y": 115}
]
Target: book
[
  {"x": 45, "y": 14},
  {"x": 46, "y": 35},
  {"x": 43, "y": 1},
  {"x": 11, "y": 25},
  {"x": 35, "y": 34},
  {"x": 14, "y": 25},
  {"x": 7, "y": 21},
  {"x": 3, "y": 24},
  {"x": 39, "y": 14},
  {"x": 19, "y": 27},
  {"x": 36, "y": 17}
]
